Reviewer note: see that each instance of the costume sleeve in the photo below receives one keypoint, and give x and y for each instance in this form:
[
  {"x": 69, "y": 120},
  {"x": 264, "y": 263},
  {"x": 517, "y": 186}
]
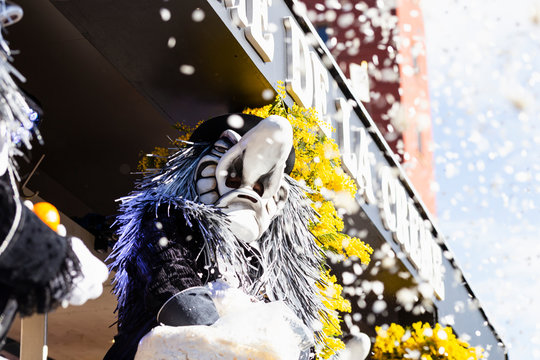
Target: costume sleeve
[
  {"x": 37, "y": 266},
  {"x": 174, "y": 252}
]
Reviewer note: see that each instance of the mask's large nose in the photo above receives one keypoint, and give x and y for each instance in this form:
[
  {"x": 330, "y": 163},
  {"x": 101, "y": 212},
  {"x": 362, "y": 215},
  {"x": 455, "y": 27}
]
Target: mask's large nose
[{"x": 257, "y": 161}]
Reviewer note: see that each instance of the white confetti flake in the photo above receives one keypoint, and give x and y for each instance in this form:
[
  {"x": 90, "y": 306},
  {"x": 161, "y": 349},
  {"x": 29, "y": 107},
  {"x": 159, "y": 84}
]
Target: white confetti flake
[
  {"x": 523, "y": 176},
  {"x": 61, "y": 230},
  {"x": 163, "y": 242},
  {"x": 379, "y": 306},
  {"x": 235, "y": 121},
  {"x": 198, "y": 15},
  {"x": 187, "y": 69},
  {"x": 165, "y": 14},
  {"x": 406, "y": 298},
  {"x": 268, "y": 94},
  {"x": 441, "y": 334},
  {"x": 345, "y": 20},
  {"x": 348, "y": 278}
]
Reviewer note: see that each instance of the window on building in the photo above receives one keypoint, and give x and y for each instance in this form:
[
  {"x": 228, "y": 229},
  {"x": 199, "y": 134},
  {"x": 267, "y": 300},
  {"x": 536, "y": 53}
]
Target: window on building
[{"x": 321, "y": 30}]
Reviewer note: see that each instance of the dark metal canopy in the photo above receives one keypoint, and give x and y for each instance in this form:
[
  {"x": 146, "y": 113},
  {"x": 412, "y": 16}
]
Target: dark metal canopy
[{"x": 111, "y": 87}]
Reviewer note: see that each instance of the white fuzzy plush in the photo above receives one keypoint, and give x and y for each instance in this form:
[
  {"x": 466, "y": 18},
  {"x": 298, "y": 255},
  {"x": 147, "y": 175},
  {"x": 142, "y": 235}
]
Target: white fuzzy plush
[{"x": 246, "y": 330}]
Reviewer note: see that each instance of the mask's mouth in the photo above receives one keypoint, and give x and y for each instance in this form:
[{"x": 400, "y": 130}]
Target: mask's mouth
[
  {"x": 250, "y": 198},
  {"x": 244, "y": 209},
  {"x": 242, "y": 196}
]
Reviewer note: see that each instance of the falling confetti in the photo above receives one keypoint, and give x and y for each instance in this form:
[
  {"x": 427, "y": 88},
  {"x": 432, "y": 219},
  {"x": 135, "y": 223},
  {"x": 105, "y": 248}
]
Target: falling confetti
[
  {"x": 187, "y": 69},
  {"x": 165, "y": 14},
  {"x": 483, "y": 86},
  {"x": 197, "y": 15},
  {"x": 268, "y": 94},
  {"x": 235, "y": 121}
]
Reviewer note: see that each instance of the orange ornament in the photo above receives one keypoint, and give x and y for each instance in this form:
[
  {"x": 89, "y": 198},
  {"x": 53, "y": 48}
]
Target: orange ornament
[{"x": 48, "y": 214}]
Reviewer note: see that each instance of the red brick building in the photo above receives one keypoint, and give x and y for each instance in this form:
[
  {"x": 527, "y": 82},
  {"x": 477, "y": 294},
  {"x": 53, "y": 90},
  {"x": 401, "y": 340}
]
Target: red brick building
[{"x": 389, "y": 39}]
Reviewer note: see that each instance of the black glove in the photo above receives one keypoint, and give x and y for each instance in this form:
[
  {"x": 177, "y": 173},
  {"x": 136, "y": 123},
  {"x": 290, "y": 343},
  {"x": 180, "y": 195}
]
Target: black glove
[
  {"x": 37, "y": 266},
  {"x": 193, "y": 306}
]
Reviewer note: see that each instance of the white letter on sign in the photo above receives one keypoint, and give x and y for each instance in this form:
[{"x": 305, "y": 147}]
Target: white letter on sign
[
  {"x": 438, "y": 272},
  {"x": 343, "y": 115},
  {"x": 320, "y": 83},
  {"x": 388, "y": 190},
  {"x": 363, "y": 177},
  {"x": 414, "y": 229},
  {"x": 299, "y": 81},
  {"x": 257, "y": 33},
  {"x": 402, "y": 224},
  {"x": 238, "y": 12}
]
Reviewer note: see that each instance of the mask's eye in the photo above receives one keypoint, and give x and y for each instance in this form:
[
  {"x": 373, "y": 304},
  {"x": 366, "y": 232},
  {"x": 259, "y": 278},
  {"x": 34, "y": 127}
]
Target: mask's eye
[
  {"x": 258, "y": 188},
  {"x": 234, "y": 175},
  {"x": 262, "y": 184},
  {"x": 233, "y": 181}
]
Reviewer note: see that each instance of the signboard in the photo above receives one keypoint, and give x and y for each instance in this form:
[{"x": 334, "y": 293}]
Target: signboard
[{"x": 281, "y": 50}]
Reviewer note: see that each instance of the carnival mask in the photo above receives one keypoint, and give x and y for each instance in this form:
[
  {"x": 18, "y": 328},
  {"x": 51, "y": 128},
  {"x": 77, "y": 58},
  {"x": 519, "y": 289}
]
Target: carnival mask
[{"x": 243, "y": 176}]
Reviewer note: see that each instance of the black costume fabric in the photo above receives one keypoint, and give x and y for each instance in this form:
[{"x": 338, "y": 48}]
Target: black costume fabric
[
  {"x": 168, "y": 262},
  {"x": 168, "y": 242},
  {"x": 37, "y": 266}
]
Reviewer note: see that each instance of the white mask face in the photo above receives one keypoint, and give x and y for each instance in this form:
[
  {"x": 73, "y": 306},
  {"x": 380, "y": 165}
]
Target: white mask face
[
  {"x": 244, "y": 176},
  {"x": 4, "y": 156}
]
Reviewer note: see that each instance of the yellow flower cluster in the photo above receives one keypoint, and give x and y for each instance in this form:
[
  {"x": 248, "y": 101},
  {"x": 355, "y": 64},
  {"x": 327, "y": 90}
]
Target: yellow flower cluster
[
  {"x": 158, "y": 157},
  {"x": 422, "y": 342},
  {"x": 155, "y": 160},
  {"x": 332, "y": 299},
  {"x": 318, "y": 166}
]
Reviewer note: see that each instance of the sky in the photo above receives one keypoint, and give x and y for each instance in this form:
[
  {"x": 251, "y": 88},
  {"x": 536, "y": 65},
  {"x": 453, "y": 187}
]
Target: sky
[{"x": 484, "y": 76}]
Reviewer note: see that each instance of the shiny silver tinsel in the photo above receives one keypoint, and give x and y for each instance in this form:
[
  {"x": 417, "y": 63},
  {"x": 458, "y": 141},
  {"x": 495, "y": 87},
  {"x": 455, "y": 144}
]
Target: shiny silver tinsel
[{"x": 16, "y": 128}]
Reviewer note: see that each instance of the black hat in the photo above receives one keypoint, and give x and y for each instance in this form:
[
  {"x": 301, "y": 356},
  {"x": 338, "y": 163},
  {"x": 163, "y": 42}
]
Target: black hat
[{"x": 211, "y": 129}]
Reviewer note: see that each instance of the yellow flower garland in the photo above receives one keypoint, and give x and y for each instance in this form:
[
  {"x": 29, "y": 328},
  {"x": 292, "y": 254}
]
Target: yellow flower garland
[
  {"x": 318, "y": 165},
  {"x": 423, "y": 342}
]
